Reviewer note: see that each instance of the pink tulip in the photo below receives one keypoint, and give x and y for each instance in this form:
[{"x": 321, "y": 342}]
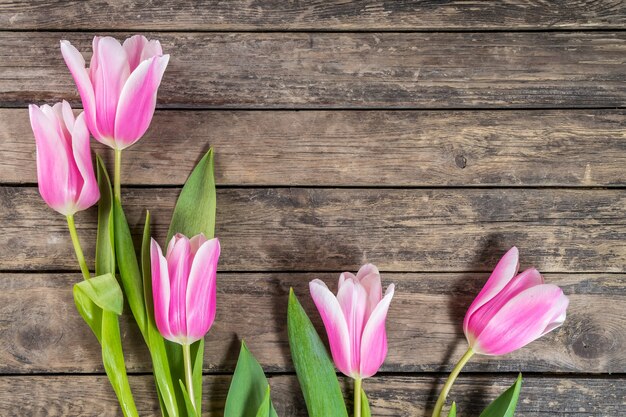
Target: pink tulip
[
  {"x": 183, "y": 287},
  {"x": 67, "y": 182},
  {"x": 119, "y": 90},
  {"x": 513, "y": 310},
  {"x": 355, "y": 320}
]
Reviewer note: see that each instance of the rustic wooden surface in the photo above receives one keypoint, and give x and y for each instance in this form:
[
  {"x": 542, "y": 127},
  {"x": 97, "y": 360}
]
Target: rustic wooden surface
[{"x": 426, "y": 137}]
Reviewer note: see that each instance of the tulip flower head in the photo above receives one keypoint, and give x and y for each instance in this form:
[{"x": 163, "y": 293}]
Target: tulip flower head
[
  {"x": 513, "y": 309},
  {"x": 119, "y": 89},
  {"x": 65, "y": 174},
  {"x": 355, "y": 320},
  {"x": 183, "y": 287}
]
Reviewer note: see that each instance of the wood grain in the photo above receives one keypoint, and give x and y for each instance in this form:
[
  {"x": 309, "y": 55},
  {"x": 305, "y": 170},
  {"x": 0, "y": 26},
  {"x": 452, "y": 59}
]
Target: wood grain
[
  {"x": 42, "y": 333},
  {"x": 361, "y": 148},
  {"x": 397, "y": 396},
  {"x": 312, "y": 15},
  {"x": 312, "y": 229},
  {"x": 348, "y": 70}
]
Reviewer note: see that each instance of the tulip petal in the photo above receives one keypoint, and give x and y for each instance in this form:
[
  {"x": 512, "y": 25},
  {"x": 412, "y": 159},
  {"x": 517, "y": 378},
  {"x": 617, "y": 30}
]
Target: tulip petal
[
  {"x": 52, "y": 162},
  {"x": 137, "y": 101},
  {"x": 108, "y": 79},
  {"x": 76, "y": 64},
  {"x": 504, "y": 271},
  {"x": 68, "y": 116},
  {"x": 369, "y": 277},
  {"x": 352, "y": 298},
  {"x": 197, "y": 241},
  {"x": 374, "y": 340},
  {"x": 481, "y": 317},
  {"x": 160, "y": 290},
  {"x": 335, "y": 324},
  {"x": 179, "y": 264},
  {"x": 201, "y": 288},
  {"x": 89, "y": 192},
  {"x": 523, "y": 319}
]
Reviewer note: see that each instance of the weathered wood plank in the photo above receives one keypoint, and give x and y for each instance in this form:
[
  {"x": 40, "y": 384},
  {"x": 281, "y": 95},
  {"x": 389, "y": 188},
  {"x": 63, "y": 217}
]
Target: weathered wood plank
[
  {"x": 287, "y": 229},
  {"x": 397, "y": 396},
  {"x": 362, "y": 148},
  {"x": 347, "y": 70},
  {"x": 41, "y": 332},
  {"x": 311, "y": 15}
]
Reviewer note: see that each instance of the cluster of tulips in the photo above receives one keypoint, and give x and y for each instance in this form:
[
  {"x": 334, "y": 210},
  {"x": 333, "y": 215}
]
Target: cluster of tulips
[{"x": 172, "y": 297}]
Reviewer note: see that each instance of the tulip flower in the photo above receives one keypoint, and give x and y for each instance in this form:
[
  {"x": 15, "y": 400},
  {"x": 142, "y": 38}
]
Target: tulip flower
[
  {"x": 183, "y": 289},
  {"x": 355, "y": 323},
  {"x": 65, "y": 174},
  {"x": 510, "y": 311},
  {"x": 119, "y": 89}
]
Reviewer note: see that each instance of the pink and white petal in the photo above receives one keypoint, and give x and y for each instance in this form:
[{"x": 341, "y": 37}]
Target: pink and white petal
[
  {"x": 52, "y": 162},
  {"x": 201, "y": 289},
  {"x": 76, "y": 64},
  {"x": 160, "y": 290},
  {"x": 335, "y": 324},
  {"x": 369, "y": 278},
  {"x": 179, "y": 265},
  {"x": 345, "y": 276},
  {"x": 151, "y": 49},
  {"x": 134, "y": 47},
  {"x": 89, "y": 193},
  {"x": 138, "y": 101},
  {"x": 481, "y": 317},
  {"x": 374, "y": 341},
  {"x": 522, "y": 320},
  {"x": 196, "y": 242},
  {"x": 352, "y": 298},
  {"x": 504, "y": 271},
  {"x": 560, "y": 313},
  {"x": 68, "y": 116},
  {"x": 108, "y": 81}
]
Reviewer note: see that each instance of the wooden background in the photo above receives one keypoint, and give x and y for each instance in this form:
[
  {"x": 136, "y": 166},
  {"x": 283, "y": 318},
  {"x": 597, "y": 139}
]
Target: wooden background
[{"x": 425, "y": 137}]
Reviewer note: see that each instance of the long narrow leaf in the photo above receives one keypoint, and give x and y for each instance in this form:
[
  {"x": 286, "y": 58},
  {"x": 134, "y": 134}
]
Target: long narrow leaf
[
  {"x": 104, "y": 291},
  {"x": 248, "y": 387},
  {"x": 452, "y": 412},
  {"x": 365, "y": 405},
  {"x": 156, "y": 343},
  {"x": 315, "y": 370},
  {"x": 506, "y": 403},
  {"x": 105, "y": 252}
]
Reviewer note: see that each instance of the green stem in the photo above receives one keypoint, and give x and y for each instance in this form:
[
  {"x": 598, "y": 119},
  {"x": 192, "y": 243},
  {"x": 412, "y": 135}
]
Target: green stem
[
  {"x": 357, "y": 397},
  {"x": 117, "y": 174},
  {"x": 79, "y": 251},
  {"x": 189, "y": 375},
  {"x": 450, "y": 381}
]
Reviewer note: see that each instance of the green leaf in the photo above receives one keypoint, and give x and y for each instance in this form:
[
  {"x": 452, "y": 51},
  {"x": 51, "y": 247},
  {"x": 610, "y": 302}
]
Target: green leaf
[
  {"x": 128, "y": 266},
  {"x": 104, "y": 291},
  {"x": 195, "y": 209},
  {"x": 105, "y": 252},
  {"x": 452, "y": 412},
  {"x": 197, "y": 357},
  {"x": 365, "y": 405},
  {"x": 315, "y": 370},
  {"x": 188, "y": 404},
  {"x": 264, "y": 408},
  {"x": 156, "y": 343},
  {"x": 248, "y": 388},
  {"x": 505, "y": 404}
]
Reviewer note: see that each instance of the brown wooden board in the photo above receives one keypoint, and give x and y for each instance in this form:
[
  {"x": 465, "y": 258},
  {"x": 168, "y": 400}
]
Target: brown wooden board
[
  {"x": 41, "y": 332},
  {"x": 348, "y": 70},
  {"x": 393, "y": 396},
  {"x": 361, "y": 148},
  {"x": 312, "y": 15},
  {"x": 313, "y": 229}
]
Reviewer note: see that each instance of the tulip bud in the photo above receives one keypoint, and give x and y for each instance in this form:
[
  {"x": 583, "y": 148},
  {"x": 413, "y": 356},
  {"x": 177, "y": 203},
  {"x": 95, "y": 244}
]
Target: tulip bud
[
  {"x": 65, "y": 174},
  {"x": 183, "y": 287},
  {"x": 355, "y": 320},
  {"x": 513, "y": 310},
  {"x": 119, "y": 90}
]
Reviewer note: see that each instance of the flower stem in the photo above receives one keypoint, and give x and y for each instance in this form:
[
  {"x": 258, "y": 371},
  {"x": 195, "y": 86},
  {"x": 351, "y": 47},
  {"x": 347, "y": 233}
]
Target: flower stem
[
  {"x": 79, "y": 251},
  {"x": 450, "y": 381},
  {"x": 117, "y": 174},
  {"x": 189, "y": 375},
  {"x": 357, "y": 397}
]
